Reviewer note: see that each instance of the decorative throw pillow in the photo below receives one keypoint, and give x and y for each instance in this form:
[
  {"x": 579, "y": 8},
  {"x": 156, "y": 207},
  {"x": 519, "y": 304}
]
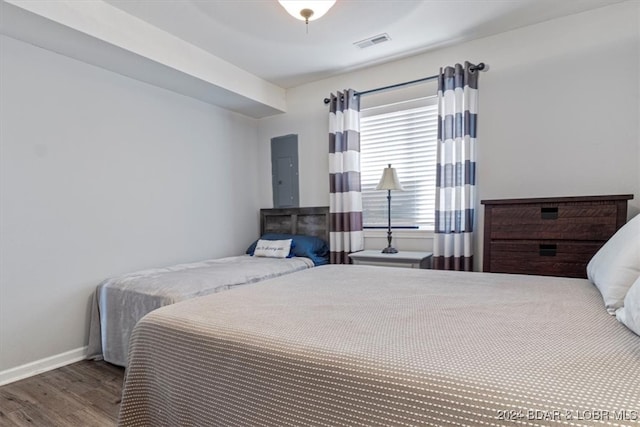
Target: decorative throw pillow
[
  {"x": 629, "y": 315},
  {"x": 310, "y": 247},
  {"x": 615, "y": 267},
  {"x": 273, "y": 248}
]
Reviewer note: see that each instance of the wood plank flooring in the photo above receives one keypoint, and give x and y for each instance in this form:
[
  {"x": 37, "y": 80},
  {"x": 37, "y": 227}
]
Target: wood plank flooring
[{"x": 82, "y": 394}]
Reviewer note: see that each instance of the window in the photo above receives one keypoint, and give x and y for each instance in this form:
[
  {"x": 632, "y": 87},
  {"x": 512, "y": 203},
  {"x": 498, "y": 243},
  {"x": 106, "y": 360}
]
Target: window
[{"x": 405, "y": 135}]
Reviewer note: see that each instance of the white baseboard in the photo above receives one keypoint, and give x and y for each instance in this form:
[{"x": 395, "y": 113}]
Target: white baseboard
[{"x": 42, "y": 365}]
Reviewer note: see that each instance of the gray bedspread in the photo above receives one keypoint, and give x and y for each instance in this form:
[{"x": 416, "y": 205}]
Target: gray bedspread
[
  {"x": 375, "y": 346},
  {"x": 121, "y": 301}
]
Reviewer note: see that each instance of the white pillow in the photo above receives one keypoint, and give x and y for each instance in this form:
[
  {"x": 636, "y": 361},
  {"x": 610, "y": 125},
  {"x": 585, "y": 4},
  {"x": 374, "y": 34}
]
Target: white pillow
[
  {"x": 615, "y": 267},
  {"x": 629, "y": 315},
  {"x": 273, "y": 248}
]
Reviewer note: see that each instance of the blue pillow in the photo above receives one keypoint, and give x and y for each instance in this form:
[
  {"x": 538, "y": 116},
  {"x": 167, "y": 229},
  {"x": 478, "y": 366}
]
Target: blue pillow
[{"x": 310, "y": 247}]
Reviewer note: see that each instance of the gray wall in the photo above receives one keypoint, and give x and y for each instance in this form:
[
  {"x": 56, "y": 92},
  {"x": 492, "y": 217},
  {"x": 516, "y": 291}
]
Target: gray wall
[
  {"x": 100, "y": 175},
  {"x": 558, "y": 113}
]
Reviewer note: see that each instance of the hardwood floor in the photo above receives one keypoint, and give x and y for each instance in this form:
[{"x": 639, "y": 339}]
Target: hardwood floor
[{"x": 83, "y": 394}]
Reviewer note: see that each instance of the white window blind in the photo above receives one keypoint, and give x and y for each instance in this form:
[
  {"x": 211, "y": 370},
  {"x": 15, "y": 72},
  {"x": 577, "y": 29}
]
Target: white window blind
[{"x": 405, "y": 135}]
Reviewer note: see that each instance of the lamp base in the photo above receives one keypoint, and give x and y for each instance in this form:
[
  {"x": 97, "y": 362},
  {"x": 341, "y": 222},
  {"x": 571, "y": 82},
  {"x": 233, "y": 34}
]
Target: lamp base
[{"x": 389, "y": 250}]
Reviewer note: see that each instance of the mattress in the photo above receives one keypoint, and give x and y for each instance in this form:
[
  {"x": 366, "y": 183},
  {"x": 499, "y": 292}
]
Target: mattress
[
  {"x": 121, "y": 301},
  {"x": 378, "y": 346}
]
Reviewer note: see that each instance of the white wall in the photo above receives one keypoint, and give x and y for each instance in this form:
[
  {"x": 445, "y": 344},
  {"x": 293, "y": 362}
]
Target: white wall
[
  {"x": 100, "y": 175},
  {"x": 558, "y": 111}
]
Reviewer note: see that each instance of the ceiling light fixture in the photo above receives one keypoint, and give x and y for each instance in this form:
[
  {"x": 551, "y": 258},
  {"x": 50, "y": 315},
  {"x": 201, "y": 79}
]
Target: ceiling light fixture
[{"x": 307, "y": 10}]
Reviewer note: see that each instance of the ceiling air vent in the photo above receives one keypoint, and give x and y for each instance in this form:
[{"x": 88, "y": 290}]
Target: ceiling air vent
[{"x": 380, "y": 38}]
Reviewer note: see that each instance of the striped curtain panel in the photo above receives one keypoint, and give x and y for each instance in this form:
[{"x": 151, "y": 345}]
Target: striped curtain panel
[
  {"x": 345, "y": 198},
  {"x": 456, "y": 168}
]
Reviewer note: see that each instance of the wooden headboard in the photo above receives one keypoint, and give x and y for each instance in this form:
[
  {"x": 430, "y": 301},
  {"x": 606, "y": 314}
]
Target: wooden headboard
[{"x": 310, "y": 221}]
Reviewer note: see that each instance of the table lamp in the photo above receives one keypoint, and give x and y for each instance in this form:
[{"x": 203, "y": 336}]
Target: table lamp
[{"x": 389, "y": 181}]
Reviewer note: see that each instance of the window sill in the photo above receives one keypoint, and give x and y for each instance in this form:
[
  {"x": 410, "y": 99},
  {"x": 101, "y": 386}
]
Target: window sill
[{"x": 399, "y": 233}]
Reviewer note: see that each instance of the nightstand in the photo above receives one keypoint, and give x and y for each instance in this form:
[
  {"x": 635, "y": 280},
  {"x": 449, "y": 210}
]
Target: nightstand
[{"x": 406, "y": 259}]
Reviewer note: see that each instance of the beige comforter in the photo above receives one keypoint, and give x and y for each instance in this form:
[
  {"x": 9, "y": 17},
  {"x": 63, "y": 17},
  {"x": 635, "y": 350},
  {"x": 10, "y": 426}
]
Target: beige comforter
[{"x": 374, "y": 346}]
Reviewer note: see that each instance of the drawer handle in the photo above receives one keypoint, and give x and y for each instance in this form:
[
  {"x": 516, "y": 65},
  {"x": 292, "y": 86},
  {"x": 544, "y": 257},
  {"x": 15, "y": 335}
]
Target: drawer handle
[
  {"x": 548, "y": 250},
  {"x": 549, "y": 213}
]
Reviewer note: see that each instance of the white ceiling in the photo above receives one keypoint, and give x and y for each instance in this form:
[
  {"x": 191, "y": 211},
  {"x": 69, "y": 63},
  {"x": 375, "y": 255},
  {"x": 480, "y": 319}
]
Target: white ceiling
[{"x": 261, "y": 38}]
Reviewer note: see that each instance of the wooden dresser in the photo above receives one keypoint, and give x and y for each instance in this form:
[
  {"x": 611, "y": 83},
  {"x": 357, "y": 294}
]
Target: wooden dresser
[{"x": 554, "y": 236}]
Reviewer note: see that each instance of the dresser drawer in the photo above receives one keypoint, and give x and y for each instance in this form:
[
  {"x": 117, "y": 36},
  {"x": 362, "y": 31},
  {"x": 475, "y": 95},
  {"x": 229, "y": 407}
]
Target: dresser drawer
[
  {"x": 547, "y": 258},
  {"x": 551, "y": 236},
  {"x": 566, "y": 222}
]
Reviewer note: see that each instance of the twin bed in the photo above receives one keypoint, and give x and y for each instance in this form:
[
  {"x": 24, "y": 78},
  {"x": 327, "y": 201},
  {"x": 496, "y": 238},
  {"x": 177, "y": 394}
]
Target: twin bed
[
  {"x": 378, "y": 346},
  {"x": 120, "y": 302}
]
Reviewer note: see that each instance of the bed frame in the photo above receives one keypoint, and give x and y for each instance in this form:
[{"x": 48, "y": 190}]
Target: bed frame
[{"x": 313, "y": 221}]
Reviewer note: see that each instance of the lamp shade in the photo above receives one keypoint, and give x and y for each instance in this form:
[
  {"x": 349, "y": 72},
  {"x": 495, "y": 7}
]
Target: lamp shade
[
  {"x": 389, "y": 180},
  {"x": 300, "y": 9}
]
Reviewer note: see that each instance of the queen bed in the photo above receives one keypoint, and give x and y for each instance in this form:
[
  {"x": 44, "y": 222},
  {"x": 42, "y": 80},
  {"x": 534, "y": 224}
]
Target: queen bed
[
  {"x": 119, "y": 302},
  {"x": 378, "y": 346}
]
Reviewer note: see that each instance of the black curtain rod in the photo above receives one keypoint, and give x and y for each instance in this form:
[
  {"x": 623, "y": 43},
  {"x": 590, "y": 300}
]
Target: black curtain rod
[{"x": 478, "y": 67}]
